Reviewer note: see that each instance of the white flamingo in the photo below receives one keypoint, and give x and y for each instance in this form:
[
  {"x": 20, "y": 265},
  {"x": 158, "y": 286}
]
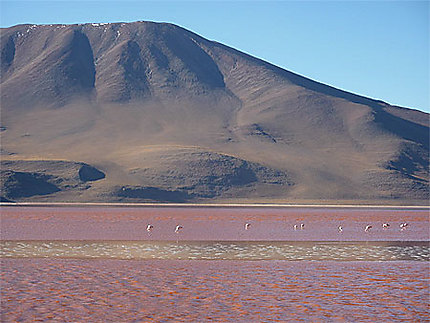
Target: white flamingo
[
  {"x": 177, "y": 229},
  {"x": 149, "y": 227},
  {"x": 247, "y": 225},
  {"x": 403, "y": 226},
  {"x": 385, "y": 225},
  {"x": 368, "y": 227},
  {"x": 302, "y": 226},
  {"x": 295, "y": 227},
  {"x": 339, "y": 228}
]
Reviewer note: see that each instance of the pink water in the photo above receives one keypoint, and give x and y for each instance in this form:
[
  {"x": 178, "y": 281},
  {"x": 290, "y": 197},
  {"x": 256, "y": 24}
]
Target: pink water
[
  {"x": 60, "y": 290},
  {"x": 215, "y": 224},
  {"x": 68, "y": 286}
]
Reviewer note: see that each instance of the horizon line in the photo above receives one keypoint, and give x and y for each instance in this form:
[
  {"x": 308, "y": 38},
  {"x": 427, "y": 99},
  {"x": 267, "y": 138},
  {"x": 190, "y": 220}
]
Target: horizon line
[{"x": 226, "y": 205}]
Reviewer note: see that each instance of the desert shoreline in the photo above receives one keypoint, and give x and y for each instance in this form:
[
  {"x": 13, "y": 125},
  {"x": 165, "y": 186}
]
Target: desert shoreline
[{"x": 210, "y": 205}]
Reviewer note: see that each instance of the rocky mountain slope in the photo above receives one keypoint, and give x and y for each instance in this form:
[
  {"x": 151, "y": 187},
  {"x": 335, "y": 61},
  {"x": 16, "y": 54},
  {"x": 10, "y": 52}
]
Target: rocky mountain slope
[{"x": 166, "y": 115}]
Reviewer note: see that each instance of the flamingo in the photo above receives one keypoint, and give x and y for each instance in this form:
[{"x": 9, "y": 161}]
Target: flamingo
[
  {"x": 368, "y": 227},
  {"x": 247, "y": 225},
  {"x": 403, "y": 226},
  {"x": 385, "y": 225},
  {"x": 339, "y": 228},
  {"x": 177, "y": 229}
]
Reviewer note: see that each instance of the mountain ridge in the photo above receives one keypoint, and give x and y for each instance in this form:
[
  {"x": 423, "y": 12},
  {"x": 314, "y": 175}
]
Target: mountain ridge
[{"x": 107, "y": 94}]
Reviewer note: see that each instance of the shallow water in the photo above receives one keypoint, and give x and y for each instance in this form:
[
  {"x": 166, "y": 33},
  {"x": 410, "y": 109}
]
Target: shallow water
[
  {"x": 207, "y": 250},
  {"x": 212, "y": 224}
]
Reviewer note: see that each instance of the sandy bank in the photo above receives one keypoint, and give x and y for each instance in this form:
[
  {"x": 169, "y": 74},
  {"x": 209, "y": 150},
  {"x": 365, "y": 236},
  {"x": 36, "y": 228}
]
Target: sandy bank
[{"x": 215, "y": 205}]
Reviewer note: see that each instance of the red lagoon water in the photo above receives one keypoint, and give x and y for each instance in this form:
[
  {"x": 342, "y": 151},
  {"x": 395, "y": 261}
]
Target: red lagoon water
[
  {"x": 212, "y": 224},
  {"x": 77, "y": 290},
  {"x": 67, "y": 286}
]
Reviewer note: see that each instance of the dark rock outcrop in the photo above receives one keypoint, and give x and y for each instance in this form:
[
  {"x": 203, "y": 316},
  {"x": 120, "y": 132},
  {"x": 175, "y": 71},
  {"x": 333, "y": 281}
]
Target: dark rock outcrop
[
  {"x": 16, "y": 185},
  {"x": 88, "y": 173}
]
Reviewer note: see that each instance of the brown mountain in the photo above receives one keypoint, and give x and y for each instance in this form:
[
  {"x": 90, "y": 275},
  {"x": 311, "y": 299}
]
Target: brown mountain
[{"x": 153, "y": 112}]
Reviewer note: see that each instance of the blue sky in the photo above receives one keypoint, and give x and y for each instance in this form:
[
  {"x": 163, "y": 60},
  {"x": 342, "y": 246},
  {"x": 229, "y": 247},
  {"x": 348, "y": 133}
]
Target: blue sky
[{"x": 379, "y": 49}]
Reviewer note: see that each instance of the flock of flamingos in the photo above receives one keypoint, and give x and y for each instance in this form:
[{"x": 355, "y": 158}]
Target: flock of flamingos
[{"x": 403, "y": 226}]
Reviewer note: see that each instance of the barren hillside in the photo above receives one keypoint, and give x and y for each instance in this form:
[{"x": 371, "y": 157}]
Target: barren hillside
[{"x": 154, "y": 112}]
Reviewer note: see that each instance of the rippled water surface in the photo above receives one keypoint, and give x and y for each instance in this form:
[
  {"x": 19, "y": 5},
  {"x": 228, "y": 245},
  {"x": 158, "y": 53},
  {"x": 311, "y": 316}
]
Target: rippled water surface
[
  {"x": 111, "y": 290},
  {"x": 206, "y": 250}
]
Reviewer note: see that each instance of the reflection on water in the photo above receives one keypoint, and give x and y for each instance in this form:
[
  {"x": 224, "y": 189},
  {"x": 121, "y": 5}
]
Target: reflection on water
[{"x": 207, "y": 250}]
